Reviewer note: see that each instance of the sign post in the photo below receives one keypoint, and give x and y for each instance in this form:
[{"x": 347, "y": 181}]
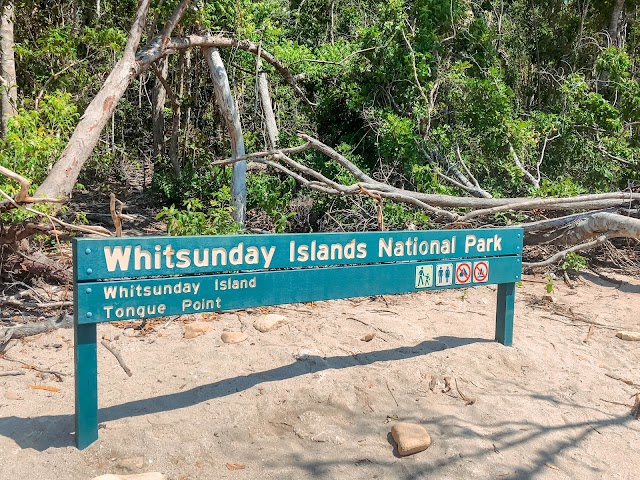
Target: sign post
[{"x": 131, "y": 278}]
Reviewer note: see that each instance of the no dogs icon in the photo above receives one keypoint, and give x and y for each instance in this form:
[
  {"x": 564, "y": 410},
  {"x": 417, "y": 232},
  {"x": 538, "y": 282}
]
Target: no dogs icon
[
  {"x": 480, "y": 271},
  {"x": 463, "y": 273}
]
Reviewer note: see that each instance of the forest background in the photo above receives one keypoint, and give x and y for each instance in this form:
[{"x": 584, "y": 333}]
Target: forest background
[{"x": 524, "y": 99}]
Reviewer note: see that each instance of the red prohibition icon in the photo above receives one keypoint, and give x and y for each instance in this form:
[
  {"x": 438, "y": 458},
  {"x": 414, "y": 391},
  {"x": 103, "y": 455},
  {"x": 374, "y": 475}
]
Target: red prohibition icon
[
  {"x": 463, "y": 272},
  {"x": 480, "y": 271}
]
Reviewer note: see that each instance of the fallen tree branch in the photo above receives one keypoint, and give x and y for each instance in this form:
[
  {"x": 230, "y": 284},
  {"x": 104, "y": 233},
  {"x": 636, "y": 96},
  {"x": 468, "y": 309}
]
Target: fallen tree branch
[
  {"x": 23, "y": 195},
  {"x": 36, "y": 328},
  {"x": 101, "y": 231},
  {"x": 425, "y": 201},
  {"x": 14, "y": 302},
  {"x": 562, "y": 255},
  {"x": 530, "y": 178}
]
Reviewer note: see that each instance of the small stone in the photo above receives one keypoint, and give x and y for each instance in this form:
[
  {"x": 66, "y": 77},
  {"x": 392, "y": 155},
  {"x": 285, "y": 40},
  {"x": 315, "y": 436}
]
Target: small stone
[
  {"x": 368, "y": 337},
  {"x": 195, "y": 329},
  {"x": 132, "y": 464},
  {"x": 410, "y": 437},
  {"x": 549, "y": 298},
  {"x": 129, "y": 332},
  {"x": 269, "y": 322},
  {"x": 12, "y": 395},
  {"x": 233, "y": 337},
  {"x": 137, "y": 476},
  {"x": 628, "y": 335}
]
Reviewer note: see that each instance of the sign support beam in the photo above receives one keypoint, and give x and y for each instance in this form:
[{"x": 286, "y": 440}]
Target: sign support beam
[
  {"x": 86, "y": 373},
  {"x": 504, "y": 313}
]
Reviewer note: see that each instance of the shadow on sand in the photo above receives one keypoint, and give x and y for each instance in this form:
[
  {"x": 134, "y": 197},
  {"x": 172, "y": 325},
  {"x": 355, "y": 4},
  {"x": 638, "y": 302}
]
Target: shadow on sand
[{"x": 57, "y": 431}]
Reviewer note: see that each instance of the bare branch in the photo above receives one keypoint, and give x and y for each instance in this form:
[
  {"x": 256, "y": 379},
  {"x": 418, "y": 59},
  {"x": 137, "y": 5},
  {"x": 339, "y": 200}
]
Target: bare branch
[
  {"x": 166, "y": 86},
  {"x": 562, "y": 255},
  {"x": 466, "y": 169},
  {"x": 576, "y": 203},
  {"x": 268, "y": 153},
  {"x": 530, "y": 178},
  {"x": 331, "y": 153},
  {"x": 21, "y": 196},
  {"x": 544, "y": 148},
  {"x": 219, "y": 41},
  {"x": 114, "y": 351},
  {"x": 414, "y": 68}
]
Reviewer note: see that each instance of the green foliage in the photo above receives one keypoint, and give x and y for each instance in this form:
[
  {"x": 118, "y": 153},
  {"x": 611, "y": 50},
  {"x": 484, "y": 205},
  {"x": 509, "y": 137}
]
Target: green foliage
[
  {"x": 574, "y": 261},
  {"x": 562, "y": 187},
  {"x": 273, "y": 195},
  {"x": 35, "y": 138},
  {"x": 399, "y": 85},
  {"x": 398, "y": 216},
  {"x": 549, "y": 285},
  {"x": 194, "y": 219}
]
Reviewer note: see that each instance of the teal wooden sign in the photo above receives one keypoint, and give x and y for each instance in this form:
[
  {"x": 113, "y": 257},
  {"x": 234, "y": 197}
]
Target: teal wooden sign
[
  {"x": 143, "y": 277},
  {"x": 155, "y": 256}
]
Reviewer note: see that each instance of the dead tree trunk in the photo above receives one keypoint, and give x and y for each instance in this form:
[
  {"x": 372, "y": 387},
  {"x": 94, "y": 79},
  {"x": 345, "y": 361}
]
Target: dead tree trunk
[
  {"x": 615, "y": 23},
  {"x": 231, "y": 117},
  {"x": 270, "y": 123},
  {"x": 7, "y": 67}
]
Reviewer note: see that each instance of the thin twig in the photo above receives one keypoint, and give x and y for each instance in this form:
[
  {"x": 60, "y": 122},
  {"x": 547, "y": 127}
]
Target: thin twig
[
  {"x": 623, "y": 380},
  {"x": 58, "y": 375},
  {"x": 391, "y": 393},
  {"x": 562, "y": 255},
  {"x": 467, "y": 400},
  {"x": 11, "y": 373},
  {"x": 116, "y": 354},
  {"x": 616, "y": 403}
]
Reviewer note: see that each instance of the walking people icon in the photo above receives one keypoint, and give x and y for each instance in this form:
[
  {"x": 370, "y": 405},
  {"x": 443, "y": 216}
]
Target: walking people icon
[{"x": 424, "y": 276}]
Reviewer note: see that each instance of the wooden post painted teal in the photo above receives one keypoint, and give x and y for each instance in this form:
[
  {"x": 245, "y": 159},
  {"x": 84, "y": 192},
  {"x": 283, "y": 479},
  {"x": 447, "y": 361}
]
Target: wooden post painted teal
[
  {"x": 504, "y": 313},
  {"x": 86, "y": 367}
]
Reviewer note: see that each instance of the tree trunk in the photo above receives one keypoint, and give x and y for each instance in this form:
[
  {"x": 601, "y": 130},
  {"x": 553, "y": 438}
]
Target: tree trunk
[
  {"x": 267, "y": 107},
  {"x": 64, "y": 174},
  {"x": 231, "y": 117},
  {"x": 615, "y": 23},
  {"x": 7, "y": 67},
  {"x": 158, "y": 101},
  {"x": 177, "y": 116}
]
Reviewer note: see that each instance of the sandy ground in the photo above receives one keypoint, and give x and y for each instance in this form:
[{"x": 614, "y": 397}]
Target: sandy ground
[{"x": 313, "y": 400}]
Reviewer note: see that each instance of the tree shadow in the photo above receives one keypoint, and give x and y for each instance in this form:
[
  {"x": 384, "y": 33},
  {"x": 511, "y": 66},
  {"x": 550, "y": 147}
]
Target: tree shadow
[
  {"x": 57, "y": 431},
  {"x": 623, "y": 286},
  {"x": 508, "y": 435}
]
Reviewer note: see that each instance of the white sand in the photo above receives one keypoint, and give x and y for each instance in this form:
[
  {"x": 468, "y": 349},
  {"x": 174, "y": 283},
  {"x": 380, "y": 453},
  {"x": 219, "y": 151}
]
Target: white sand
[{"x": 312, "y": 400}]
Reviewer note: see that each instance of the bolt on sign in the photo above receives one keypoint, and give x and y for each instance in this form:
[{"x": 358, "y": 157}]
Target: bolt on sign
[{"x": 132, "y": 278}]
